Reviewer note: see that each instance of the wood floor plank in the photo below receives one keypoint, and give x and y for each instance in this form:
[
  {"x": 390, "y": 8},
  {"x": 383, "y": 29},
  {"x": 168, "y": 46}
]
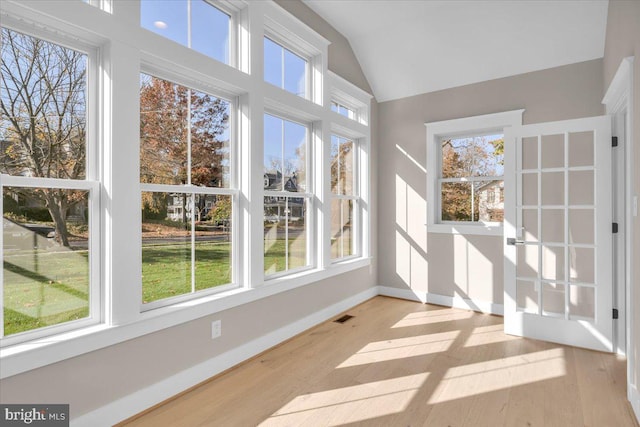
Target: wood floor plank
[{"x": 402, "y": 363}]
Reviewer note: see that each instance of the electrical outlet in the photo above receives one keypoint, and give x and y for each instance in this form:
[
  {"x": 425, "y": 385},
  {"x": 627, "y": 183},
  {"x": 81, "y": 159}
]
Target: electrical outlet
[{"x": 216, "y": 329}]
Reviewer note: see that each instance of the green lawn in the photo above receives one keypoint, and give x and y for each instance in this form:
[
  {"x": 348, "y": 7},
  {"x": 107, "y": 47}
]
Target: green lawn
[
  {"x": 166, "y": 268},
  {"x": 43, "y": 288},
  {"x": 48, "y": 288}
]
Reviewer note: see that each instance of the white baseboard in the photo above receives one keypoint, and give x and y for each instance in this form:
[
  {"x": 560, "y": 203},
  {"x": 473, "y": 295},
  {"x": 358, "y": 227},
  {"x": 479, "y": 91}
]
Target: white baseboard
[
  {"x": 469, "y": 304},
  {"x": 137, "y": 402},
  {"x": 456, "y": 302},
  {"x": 634, "y": 399},
  {"x": 408, "y": 294}
]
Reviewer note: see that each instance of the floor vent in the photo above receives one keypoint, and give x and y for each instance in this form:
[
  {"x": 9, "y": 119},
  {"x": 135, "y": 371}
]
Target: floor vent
[{"x": 343, "y": 318}]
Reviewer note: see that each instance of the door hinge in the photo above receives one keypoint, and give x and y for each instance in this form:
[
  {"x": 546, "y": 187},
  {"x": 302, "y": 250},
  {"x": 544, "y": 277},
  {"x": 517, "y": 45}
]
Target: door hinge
[
  {"x": 614, "y": 228},
  {"x": 615, "y": 313},
  {"x": 614, "y": 141}
]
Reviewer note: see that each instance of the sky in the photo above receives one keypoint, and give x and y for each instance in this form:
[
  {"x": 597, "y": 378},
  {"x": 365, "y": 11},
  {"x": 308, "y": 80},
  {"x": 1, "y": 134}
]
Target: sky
[{"x": 210, "y": 26}]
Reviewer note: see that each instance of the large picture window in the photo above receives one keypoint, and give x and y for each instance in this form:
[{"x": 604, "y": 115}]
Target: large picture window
[
  {"x": 49, "y": 187},
  {"x": 187, "y": 198},
  {"x": 286, "y": 195}
]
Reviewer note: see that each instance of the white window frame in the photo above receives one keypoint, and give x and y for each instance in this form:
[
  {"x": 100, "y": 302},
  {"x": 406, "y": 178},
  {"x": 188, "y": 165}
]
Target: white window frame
[
  {"x": 308, "y": 195},
  {"x": 356, "y": 228},
  {"x": 295, "y": 36},
  {"x": 124, "y": 47},
  {"x": 91, "y": 183},
  {"x": 463, "y": 127},
  {"x": 189, "y": 189}
]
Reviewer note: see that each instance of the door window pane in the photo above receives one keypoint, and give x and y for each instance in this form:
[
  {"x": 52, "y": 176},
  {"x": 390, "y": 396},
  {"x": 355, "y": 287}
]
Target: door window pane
[
  {"x": 530, "y": 153},
  {"x": 582, "y": 301},
  {"x": 552, "y": 188},
  {"x": 526, "y": 296},
  {"x": 581, "y": 149},
  {"x": 553, "y": 299},
  {"x": 552, "y": 151},
  {"x": 581, "y": 187}
]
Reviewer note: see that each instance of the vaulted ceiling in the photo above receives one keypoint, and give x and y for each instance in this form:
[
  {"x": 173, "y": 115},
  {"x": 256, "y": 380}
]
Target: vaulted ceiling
[{"x": 408, "y": 47}]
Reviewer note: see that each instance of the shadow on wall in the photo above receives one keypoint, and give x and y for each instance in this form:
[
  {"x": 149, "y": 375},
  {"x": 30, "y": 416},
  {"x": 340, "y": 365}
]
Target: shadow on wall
[{"x": 464, "y": 266}]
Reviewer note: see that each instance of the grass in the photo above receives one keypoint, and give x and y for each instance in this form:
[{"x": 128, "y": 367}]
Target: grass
[
  {"x": 43, "y": 288},
  {"x": 166, "y": 268},
  {"x": 50, "y": 287}
]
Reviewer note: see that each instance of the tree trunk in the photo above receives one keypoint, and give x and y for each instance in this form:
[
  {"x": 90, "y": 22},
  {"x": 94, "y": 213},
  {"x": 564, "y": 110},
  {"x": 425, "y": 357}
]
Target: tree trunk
[{"x": 58, "y": 214}]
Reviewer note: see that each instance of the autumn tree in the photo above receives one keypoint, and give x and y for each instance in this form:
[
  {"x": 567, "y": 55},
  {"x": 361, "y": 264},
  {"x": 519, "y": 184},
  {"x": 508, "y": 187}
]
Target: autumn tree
[
  {"x": 43, "y": 119},
  {"x": 467, "y": 157},
  {"x": 177, "y": 122}
]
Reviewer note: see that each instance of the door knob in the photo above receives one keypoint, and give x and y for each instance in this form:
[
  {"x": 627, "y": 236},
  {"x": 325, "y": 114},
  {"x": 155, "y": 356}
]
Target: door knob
[{"x": 512, "y": 241}]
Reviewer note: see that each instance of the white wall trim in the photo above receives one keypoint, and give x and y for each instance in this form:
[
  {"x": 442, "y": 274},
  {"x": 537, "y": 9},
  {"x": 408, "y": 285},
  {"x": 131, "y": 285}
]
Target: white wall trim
[
  {"x": 619, "y": 101},
  {"x": 140, "y": 400},
  {"x": 465, "y": 303},
  {"x": 634, "y": 398},
  {"x": 408, "y": 294},
  {"x": 447, "y": 301}
]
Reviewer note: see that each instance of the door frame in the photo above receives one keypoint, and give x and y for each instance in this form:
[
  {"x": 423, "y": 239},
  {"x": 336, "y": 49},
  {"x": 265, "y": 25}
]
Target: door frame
[{"x": 618, "y": 102}]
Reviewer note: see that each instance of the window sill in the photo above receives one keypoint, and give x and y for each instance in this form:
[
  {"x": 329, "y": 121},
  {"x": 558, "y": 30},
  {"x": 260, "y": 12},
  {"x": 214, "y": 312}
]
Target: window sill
[
  {"x": 482, "y": 230},
  {"x": 34, "y": 354}
]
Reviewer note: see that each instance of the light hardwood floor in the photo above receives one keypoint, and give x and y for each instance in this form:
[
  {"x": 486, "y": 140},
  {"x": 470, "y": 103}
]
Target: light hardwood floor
[{"x": 402, "y": 363}]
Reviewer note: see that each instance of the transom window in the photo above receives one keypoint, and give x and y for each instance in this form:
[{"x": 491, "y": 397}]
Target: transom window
[
  {"x": 471, "y": 174},
  {"x": 284, "y": 69},
  {"x": 343, "y": 110},
  {"x": 185, "y": 168},
  {"x": 192, "y": 23},
  {"x": 50, "y": 192},
  {"x": 286, "y": 197}
]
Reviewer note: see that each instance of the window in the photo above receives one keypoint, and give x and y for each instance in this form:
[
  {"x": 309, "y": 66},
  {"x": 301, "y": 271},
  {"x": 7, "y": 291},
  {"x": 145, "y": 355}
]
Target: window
[
  {"x": 284, "y": 69},
  {"x": 465, "y": 193},
  {"x": 342, "y": 110},
  {"x": 90, "y": 260},
  {"x": 192, "y": 23},
  {"x": 286, "y": 198},
  {"x": 471, "y": 170},
  {"x": 50, "y": 188},
  {"x": 344, "y": 192},
  {"x": 185, "y": 168}
]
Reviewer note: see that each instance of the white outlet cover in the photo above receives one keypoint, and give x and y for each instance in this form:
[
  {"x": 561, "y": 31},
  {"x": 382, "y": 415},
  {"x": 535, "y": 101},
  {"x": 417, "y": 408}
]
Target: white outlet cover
[{"x": 216, "y": 329}]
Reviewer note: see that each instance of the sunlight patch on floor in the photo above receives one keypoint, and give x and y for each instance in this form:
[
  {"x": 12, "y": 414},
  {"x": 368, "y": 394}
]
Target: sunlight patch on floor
[
  {"x": 489, "y": 335},
  {"x": 493, "y": 375},
  {"x": 435, "y": 318},
  {"x": 350, "y": 404},
  {"x": 398, "y": 348}
]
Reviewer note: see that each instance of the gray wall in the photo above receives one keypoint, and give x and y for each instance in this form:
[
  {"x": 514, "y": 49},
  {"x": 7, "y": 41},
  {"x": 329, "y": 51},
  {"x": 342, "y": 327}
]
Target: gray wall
[
  {"x": 456, "y": 265},
  {"x": 622, "y": 40},
  {"x": 95, "y": 379}
]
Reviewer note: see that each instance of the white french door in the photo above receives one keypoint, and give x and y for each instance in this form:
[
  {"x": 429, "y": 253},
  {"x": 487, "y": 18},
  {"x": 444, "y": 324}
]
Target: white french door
[{"x": 558, "y": 232}]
